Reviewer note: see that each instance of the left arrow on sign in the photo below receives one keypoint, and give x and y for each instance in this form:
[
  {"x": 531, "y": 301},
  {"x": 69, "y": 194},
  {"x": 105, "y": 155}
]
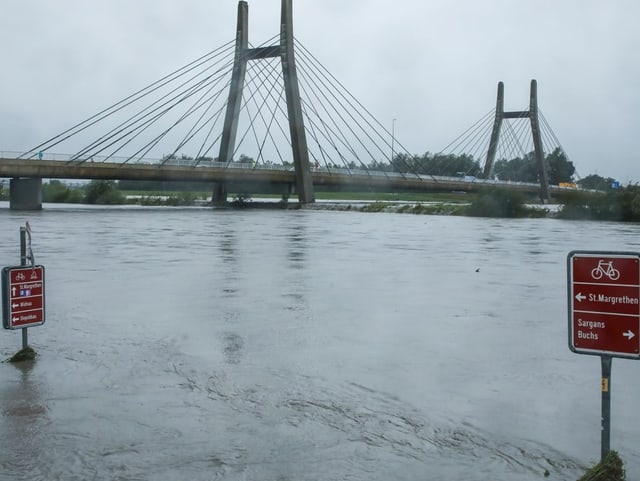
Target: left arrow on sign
[
  {"x": 581, "y": 297},
  {"x": 629, "y": 334}
]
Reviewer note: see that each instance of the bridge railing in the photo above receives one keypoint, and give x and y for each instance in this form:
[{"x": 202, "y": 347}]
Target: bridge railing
[
  {"x": 56, "y": 156},
  {"x": 454, "y": 180}
]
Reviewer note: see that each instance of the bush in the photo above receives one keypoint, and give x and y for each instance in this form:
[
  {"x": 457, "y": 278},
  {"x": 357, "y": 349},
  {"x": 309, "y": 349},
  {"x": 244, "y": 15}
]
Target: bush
[
  {"x": 241, "y": 199},
  {"x": 498, "y": 203},
  {"x": 183, "y": 198},
  {"x": 57, "y": 192},
  {"x": 375, "y": 207},
  {"x": 622, "y": 205},
  {"x": 103, "y": 192}
]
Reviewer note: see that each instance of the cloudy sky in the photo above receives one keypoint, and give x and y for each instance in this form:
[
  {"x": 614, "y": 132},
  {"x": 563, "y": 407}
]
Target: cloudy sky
[{"x": 433, "y": 65}]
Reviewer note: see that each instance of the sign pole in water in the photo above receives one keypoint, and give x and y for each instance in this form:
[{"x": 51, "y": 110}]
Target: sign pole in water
[
  {"x": 604, "y": 314},
  {"x": 605, "y": 436},
  {"x": 23, "y": 291},
  {"x": 23, "y": 262}
]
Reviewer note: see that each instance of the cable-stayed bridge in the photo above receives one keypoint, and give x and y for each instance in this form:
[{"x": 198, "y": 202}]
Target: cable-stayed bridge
[{"x": 271, "y": 119}]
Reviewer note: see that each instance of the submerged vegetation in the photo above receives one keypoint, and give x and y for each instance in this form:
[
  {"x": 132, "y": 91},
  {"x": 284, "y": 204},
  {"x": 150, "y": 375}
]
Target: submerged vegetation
[
  {"x": 616, "y": 205},
  {"x": 25, "y": 354},
  {"x": 491, "y": 202},
  {"x": 606, "y": 204},
  {"x": 610, "y": 468},
  {"x": 499, "y": 203},
  {"x": 622, "y": 205}
]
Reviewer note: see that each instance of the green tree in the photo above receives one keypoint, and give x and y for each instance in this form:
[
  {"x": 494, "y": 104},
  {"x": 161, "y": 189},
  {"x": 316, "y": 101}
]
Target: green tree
[
  {"x": 619, "y": 205},
  {"x": 520, "y": 169},
  {"x": 560, "y": 169},
  {"x": 103, "y": 192},
  {"x": 245, "y": 159},
  {"x": 57, "y": 192},
  {"x": 403, "y": 163},
  {"x": 525, "y": 169},
  {"x": 596, "y": 182}
]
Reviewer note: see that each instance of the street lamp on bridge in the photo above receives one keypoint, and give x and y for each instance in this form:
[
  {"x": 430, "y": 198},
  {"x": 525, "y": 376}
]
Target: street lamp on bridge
[{"x": 393, "y": 140}]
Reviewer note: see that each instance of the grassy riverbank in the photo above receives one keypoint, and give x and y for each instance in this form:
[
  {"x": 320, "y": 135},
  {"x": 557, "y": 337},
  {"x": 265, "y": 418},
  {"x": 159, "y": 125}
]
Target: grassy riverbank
[{"x": 620, "y": 205}]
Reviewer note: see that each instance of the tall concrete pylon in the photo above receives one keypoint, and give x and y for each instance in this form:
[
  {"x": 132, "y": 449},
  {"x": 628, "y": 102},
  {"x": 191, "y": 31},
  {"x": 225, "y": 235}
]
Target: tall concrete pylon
[
  {"x": 243, "y": 54},
  {"x": 532, "y": 115}
]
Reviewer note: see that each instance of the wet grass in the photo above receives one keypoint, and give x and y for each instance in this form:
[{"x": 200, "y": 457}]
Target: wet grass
[
  {"x": 448, "y": 197},
  {"x": 26, "y": 354},
  {"x": 610, "y": 468}
]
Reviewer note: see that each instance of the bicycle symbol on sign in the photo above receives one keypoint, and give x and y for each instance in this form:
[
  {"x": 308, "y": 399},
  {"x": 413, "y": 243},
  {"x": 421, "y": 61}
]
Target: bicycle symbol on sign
[
  {"x": 605, "y": 269},
  {"x": 20, "y": 276}
]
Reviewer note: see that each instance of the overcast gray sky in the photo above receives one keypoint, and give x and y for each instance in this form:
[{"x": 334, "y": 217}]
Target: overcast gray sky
[{"x": 433, "y": 65}]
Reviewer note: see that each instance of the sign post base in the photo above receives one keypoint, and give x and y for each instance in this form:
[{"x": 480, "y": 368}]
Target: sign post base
[{"x": 606, "y": 406}]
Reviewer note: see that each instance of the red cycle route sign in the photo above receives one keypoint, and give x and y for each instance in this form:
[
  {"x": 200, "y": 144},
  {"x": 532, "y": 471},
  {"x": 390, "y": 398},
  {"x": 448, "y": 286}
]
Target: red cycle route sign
[
  {"x": 23, "y": 297},
  {"x": 604, "y": 303}
]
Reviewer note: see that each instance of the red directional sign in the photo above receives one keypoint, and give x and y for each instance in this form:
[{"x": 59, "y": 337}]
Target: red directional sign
[
  {"x": 604, "y": 303},
  {"x": 23, "y": 297}
]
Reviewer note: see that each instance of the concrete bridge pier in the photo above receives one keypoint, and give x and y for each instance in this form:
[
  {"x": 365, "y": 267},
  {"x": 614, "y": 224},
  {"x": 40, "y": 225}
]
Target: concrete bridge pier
[
  {"x": 25, "y": 194},
  {"x": 219, "y": 193}
]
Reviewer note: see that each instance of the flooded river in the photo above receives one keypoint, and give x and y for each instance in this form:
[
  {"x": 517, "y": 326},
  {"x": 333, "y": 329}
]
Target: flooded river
[{"x": 208, "y": 344}]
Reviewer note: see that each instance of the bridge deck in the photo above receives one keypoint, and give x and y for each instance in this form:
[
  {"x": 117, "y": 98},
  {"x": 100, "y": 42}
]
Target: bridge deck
[{"x": 254, "y": 180}]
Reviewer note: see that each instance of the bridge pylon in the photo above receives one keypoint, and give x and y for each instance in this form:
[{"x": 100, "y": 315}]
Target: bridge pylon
[
  {"x": 244, "y": 54},
  {"x": 532, "y": 115}
]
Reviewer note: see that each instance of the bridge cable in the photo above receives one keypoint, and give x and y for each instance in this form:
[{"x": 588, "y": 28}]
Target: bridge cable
[
  {"x": 473, "y": 140},
  {"x": 252, "y": 98},
  {"x": 475, "y": 132},
  {"x": 202, "y": 102},
  {"x": 348, "y": 125},
  {"x": 122, "y": 103},
  {"x": 478, "y": 124},
  {"x": 168, "y": 105},
  {"x": 159, "y": 111},
  {"x": 264, "y": 76},
  {"x": 277, "y": 108},
  {"x": 313, "y": 79},
  {"x": 339, "y": 88},
  {"x": 351, "y": 100},
  {"x": 138, "y": 117},
  {"x": 326, "y": 131},
  {"x": 201, "y": 123},
  {"x": 322, "y": 128}
]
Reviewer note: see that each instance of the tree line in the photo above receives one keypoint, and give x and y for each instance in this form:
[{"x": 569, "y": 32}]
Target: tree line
[{"x": 519, "y": 169}]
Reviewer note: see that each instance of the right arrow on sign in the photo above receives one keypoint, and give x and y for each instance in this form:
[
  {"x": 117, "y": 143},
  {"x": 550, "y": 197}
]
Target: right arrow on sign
[{"x": 629, "y": 335}]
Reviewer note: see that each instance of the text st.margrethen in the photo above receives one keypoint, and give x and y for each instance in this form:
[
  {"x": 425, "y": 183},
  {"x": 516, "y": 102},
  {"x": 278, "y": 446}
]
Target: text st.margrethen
[{"x": 613, "y": 300}]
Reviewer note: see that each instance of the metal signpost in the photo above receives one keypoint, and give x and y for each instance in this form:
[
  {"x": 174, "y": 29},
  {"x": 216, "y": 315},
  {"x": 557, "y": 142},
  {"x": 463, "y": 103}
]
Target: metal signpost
[
  {"x": 604, "y": 314},
  {"x": 23, "y": 291}
]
